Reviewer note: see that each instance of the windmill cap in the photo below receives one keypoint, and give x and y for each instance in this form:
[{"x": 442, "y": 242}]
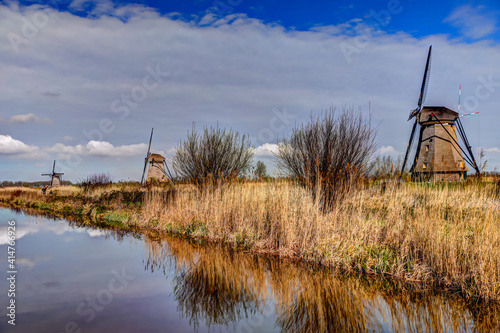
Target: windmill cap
[
  {"x": 156, "y": 158},
  {"x": 440, "y": 112}
]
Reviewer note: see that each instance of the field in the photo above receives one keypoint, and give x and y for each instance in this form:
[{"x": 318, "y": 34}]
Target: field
[{"x": 443, "y": 235}]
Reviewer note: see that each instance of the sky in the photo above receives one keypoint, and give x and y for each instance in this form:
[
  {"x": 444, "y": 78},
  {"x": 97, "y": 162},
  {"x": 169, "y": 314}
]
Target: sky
[{"x": 84, "y": 82}]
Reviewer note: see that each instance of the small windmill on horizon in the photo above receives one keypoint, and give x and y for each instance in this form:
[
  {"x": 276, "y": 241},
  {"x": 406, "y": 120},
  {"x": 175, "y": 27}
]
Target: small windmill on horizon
[
  {"x": 158, "y": 167},
  {"x": 439, "y": 156},
  {"x": 55, "y": 177}
]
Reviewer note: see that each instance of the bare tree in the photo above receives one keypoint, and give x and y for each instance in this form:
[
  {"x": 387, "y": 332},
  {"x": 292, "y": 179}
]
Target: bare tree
[
  {"x": 328, "y": 155},
  {"x": 384, "y": 167},
  {"x": 214, "y": 155}
]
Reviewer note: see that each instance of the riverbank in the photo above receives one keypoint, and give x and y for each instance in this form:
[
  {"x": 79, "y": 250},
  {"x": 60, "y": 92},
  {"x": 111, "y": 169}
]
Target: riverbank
[{"x": 441, "y": 235}]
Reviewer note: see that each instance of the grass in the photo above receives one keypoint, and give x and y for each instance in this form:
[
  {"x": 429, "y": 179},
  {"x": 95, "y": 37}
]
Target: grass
[{"x": 441, "y": 235}]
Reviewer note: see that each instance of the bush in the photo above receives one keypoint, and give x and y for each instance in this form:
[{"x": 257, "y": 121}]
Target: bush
[
  {"x": 328, "y": 155},
  {"x": 213, "y": 156},
  {"x": 95, "y": 180}
]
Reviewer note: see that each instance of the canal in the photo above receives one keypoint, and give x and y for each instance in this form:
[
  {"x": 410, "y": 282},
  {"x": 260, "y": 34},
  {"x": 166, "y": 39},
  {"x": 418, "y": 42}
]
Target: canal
[{"x": 73, "y": 277}]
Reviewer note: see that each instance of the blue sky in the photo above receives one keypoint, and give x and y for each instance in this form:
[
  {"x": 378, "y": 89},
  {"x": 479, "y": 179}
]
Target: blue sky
[
  {"x": 83, "y": 81},
  {"x": 418, "y": 18}
]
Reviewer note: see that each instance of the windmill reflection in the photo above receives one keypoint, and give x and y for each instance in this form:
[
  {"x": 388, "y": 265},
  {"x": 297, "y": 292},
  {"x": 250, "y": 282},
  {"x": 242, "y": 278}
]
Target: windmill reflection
[{"x": 219, "y": 286}]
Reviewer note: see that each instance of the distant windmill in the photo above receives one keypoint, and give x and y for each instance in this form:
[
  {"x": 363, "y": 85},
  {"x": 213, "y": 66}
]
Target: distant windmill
[
  {"x": 55, "y": 177},
  {"x": 157, "y": 166},
  {"x": 439, "y": 156}
]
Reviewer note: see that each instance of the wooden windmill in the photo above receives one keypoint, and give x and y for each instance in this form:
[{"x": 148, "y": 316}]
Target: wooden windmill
[
  {"x": 55, "y": 177},
  {"x": 439, "y": 156},
  {"x": 158, "y": 168}
]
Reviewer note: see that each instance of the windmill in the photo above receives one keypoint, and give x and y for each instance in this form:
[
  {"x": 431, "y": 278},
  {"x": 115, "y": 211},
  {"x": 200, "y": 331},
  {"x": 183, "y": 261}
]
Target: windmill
[
  {"x": 157, "y": 166},
  {"x": 55, "y": 177},
  {"x": 439, "y": 156}
]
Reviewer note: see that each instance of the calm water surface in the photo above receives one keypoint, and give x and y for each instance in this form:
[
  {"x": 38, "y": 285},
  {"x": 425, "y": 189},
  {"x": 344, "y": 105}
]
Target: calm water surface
[{"x": 76, "y": 278}]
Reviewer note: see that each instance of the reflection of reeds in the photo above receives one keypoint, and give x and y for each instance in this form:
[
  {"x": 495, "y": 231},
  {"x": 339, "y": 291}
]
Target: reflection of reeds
[
  {"x": 210, "y": 285},
  {"x": 221, "y": 286},
  {"x": 445, "y": 236}
]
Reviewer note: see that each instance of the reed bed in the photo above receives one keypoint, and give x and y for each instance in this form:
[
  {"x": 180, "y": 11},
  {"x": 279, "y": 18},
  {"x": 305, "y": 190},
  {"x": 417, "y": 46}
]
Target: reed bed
[{"x": 442, "y": 235}]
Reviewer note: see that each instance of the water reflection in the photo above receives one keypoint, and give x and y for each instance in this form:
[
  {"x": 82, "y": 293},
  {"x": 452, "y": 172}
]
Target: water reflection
[{"x": 216, "y": 285}]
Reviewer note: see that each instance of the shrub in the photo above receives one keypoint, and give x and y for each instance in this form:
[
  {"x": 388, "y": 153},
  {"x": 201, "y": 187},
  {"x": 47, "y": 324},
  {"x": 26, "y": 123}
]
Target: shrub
[
  {"x": 213, "y": 156},
  {"x": 329, "y": 154},
  {"x": 95, "y": 180}
]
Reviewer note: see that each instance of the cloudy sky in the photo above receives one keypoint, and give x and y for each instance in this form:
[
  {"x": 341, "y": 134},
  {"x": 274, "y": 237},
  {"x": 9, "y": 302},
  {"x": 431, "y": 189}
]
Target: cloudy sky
[{"x": 84, "y": 82}]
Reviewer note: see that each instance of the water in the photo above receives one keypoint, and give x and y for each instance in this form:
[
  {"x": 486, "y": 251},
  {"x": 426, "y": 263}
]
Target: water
[{"x": 72, "y": 277}]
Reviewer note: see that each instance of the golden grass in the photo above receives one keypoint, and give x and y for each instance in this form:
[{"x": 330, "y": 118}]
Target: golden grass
[{"x": 447, "y": 236}]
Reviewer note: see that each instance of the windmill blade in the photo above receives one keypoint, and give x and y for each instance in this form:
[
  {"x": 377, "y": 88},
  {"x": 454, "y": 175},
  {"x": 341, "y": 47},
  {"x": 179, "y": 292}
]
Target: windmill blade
[
  {"x": 423, "y": 88},
  {"x": 147, "y": 156},
  {"x": 412, "y": 135},
  {"x": 150, "y": 139},
  {"x": 144, "y": 171},
  {"x": 468, "y": 114},
  {"x": 53, "y": 173},
  {"x": 168, "y": 171},
  {"x": 425, "y": 80}
]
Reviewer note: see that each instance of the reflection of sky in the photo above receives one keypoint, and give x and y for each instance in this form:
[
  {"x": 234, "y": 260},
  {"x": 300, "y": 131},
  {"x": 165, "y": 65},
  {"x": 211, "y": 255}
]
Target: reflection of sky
[{"x": 59, "y": 266}]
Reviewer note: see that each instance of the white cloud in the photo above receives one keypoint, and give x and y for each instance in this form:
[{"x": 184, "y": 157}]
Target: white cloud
[
  {"x": 267, "y": 149},
  {"x": 388, "y": 150},
  {"x": 474, "y": 22},
  {"x": 100, "y": 148},
  {"x": 30, "y": 117},
  {"x": 68, "y": 138},
  {"x": 9, "y": 145},
  {"x": 493, "y": 150}
]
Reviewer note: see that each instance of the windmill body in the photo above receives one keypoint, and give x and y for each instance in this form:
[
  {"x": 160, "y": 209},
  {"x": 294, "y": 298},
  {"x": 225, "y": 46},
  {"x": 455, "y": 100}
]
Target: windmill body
[
  {"x": 55, "y": 177},
  {"x": 156, "y": 169},
  {"x": 438, "y": 157},
  {"x": 56, "y": 180}
]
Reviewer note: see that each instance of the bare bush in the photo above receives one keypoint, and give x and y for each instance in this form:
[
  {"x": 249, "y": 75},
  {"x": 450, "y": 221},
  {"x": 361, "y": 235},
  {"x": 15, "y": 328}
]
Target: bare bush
[
  {"x": 329, "y": 154},
  {"x": 95, "y": 180},
  {"x": 215, "y": 155}
]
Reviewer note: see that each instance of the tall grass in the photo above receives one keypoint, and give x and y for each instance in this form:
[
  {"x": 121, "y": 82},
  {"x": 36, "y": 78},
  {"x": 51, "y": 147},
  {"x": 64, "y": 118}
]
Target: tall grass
[{"x": 447, "y": 236}]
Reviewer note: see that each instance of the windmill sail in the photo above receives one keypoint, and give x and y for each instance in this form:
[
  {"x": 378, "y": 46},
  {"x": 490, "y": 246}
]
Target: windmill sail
[
  {"x": 147, "y": 157},
  {"x": 425, "y": 85},
  {"x": 421, "y": 100}
]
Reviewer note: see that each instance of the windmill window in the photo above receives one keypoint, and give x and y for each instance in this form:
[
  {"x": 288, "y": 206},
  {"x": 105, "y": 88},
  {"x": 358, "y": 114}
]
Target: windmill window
[
  {"x": 462, "y": 165},
  {"x": 426, "y": 147},
  {"x": 424, "y": 166}
]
